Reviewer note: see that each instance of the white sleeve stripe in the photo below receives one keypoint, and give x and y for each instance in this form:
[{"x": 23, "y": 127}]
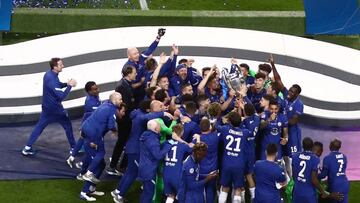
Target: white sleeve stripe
[
  {"x": 145, "y": 56},
  {"x": 59, "y": 89},
  {"x": 94, "y": 107}
]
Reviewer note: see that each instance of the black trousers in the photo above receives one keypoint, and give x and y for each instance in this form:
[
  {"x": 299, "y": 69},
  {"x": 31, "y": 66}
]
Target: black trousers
[{"x": 124, "y": 128}]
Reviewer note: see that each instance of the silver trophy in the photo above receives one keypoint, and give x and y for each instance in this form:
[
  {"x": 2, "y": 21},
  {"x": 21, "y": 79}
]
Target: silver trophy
[{"x": 233, "y": 80}]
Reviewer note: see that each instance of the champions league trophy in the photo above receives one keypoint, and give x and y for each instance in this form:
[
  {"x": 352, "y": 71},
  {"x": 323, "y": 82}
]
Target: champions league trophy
[{"x": 233, "y": 80}]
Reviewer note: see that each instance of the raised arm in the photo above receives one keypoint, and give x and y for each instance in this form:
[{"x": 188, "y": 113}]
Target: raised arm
[
  {"x": 201, "y": 87},
  {"x": 226, "y": 104},
  {"x": 157, "y": 70},
  {"x": 154, "y": 44},
  {"x": 275, "y": 72}
]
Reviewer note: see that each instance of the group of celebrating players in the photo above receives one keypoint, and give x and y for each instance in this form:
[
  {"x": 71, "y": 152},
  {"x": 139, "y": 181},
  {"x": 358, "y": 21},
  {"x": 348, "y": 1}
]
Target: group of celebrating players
[{"x": 189, "y": 137}]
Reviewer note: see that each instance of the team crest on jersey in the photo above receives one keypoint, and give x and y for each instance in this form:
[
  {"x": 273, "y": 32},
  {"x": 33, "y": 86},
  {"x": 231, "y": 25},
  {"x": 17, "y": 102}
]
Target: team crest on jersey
[
  {"x": 279, "y": 124},
  {"x": 191, "y": 170},
  {"x": 290, "y": 108},
  {"x": 274, "y": 131}
]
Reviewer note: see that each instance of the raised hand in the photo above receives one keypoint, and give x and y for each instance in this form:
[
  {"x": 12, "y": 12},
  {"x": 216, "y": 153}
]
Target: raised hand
[
  {"x": 162, "y": 59},
  {"x": 161, "y": 32},
  {"x": 175, "y": 49}
]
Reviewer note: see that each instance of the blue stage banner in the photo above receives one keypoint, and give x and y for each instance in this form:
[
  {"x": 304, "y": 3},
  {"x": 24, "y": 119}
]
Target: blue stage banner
[
  {"x": 332, "y": 16},
  {"x": 5, "y": 14}
]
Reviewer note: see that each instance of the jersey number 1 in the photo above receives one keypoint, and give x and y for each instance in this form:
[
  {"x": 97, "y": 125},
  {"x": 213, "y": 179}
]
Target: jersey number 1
[{"x": 173, "y": 158}]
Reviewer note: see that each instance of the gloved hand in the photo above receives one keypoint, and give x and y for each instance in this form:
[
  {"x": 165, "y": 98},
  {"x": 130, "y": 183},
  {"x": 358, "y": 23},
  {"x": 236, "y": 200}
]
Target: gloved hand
[{"x": 161, "y": 32}]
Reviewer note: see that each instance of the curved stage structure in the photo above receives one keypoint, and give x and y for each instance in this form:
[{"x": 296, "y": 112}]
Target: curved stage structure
[{"x": 327, "y": 73}]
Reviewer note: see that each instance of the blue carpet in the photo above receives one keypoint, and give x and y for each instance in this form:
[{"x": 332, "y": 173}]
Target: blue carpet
[{"x": 53, "y": 149}]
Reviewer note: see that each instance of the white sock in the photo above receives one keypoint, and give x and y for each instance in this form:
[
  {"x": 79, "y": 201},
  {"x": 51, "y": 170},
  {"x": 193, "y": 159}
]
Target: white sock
[
  {"x": 88, "y": 172},
  {"x": 252, "y": 192},
  {"x": 82, "y": 193},
  {"x": 242, "y": 195},
  {"x": 169, "y": 200},
  {"x": 92, "y": 188},
  {"x": 237, "y": 199},
  {"x": 223, "y": 196},
  {"x": 117, "y": 191},
  {"x": 27, "y": 147}
]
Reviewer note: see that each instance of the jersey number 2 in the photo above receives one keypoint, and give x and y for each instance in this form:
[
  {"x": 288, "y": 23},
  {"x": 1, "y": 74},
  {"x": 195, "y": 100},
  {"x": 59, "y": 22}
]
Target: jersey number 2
[{"x": 301, "y": 173}]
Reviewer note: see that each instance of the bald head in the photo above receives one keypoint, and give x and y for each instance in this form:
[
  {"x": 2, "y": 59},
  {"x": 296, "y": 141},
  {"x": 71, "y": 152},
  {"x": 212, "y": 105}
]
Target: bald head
[
  {"x": 133, "y": 54},
  {"x": 115, "y": 98},
  {"x": 153, "y": 125},
  {"x": 156, "y": 106}
]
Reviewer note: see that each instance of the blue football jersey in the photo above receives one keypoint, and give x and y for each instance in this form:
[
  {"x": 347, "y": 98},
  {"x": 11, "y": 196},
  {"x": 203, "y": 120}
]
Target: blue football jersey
[
  {"x": 210, "y": 162},
  {"x": 302, "y": 165},
  {"x": 267, "y": 174},
  {"x": 235, "y": 141},
  {"x": 173, "y": 161},
  {"x": 252, "y": 124},
  {"x": 334, "y": 167},
  {"x": 273, "y": 132},
  {"x": 293, "y": 108}
]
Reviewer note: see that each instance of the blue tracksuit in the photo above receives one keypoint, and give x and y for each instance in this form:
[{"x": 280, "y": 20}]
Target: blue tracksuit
[
  {"x": 132, "y": 149},
  {"x": 95, "y": 127},
  {"x": 176, "y": 82},
  {"x": 90, "y": 152},
  {"x": 150, "y": 155},
  {"x": 139, "y": 93},
  {"x": 173, "y": 165},
  {"x": 192, "y": 188},
  {"x": 91, "y": 104},
  {"x": 175, "y": 85},
  {"x": 195, "y": 78},
  {"x": 267, "y": 173},
  {"x": 334, "y": 167},
  {"x": 54, "y": 92},
  {"x": 140, "y": 70}
]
